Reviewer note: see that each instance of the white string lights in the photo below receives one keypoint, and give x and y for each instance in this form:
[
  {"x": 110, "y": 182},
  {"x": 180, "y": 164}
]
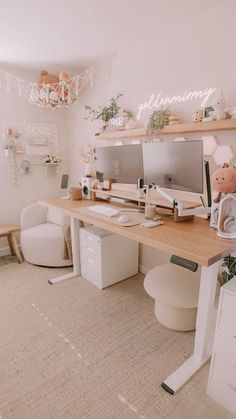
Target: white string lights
[{"x": 49, "y": 96}]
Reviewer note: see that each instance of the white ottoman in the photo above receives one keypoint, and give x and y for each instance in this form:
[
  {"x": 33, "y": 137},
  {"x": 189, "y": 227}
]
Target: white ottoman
[{"x": 175, "y": 290}]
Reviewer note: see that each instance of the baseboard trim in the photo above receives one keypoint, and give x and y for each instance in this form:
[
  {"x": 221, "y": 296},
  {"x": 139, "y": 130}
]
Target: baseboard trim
[
  {"x": 143, "y": 269},
  {"x": 5, "y": 251}
]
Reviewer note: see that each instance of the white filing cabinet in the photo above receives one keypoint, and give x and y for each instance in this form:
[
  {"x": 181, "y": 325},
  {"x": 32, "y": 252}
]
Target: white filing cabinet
[
  {"x": 106, "y": 258},
  {"x": 222, "y": 377}
]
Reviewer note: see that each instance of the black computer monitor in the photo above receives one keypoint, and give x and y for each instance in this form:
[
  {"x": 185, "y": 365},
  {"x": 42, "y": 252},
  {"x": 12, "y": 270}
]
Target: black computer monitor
[
  {"x": 121, "y": 164},
  {"x": 174, "y": 165}
]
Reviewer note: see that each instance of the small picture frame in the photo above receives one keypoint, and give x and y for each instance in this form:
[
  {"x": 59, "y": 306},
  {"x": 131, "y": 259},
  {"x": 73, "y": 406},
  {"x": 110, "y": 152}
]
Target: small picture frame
[{"x": 207, "y": 111}]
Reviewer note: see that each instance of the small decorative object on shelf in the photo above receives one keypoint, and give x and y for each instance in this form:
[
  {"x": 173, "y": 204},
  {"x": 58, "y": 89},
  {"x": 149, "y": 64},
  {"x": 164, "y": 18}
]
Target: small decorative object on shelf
[
  {"x": 206, "y": 112},
  {"x": 197, "y": 115},
  {"x": 126, "y": 117},
  {"x": 217, "y": 114},
  {"x": 52, "y": 160},
  {"x": 231, "y": 112},
  {"x": 127, "y": 114},
  {"x": 173, "y": 120},
  {"x": 25, "y": 167},
  {"x": 157, "y": 121}
]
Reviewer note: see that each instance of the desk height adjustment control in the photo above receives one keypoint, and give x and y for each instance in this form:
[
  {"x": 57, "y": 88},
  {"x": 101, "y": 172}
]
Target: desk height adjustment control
[{"x": 185, "y": 263}]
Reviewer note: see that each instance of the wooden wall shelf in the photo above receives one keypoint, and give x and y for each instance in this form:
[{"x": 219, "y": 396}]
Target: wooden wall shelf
[{"x": 188, "y": 127}]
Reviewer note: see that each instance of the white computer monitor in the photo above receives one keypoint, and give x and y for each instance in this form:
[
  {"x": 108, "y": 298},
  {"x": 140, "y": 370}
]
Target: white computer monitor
[
  {"x": 174, "y": 165},
  {"x": 121, "y": 164}
]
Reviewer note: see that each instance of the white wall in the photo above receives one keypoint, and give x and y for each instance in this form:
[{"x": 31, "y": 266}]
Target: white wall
[
  {"x": 169, "y": 49},
  {"x": 37, "y": 184}
]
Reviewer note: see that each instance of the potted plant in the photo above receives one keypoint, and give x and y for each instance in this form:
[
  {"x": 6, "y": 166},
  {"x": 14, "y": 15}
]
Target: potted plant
[
  {"x": 158, "y": 119},
  {"x": 229, "y": 271},
  {"x": 105, "y": 113}
]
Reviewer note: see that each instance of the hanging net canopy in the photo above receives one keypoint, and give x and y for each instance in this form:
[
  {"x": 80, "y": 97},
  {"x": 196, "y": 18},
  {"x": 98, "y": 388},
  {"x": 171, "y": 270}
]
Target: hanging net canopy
[{"x": 50, "y": 91}]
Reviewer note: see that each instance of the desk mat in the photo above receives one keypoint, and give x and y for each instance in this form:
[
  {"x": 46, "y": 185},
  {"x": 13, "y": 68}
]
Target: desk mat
[{"x": 135, "y": 217}]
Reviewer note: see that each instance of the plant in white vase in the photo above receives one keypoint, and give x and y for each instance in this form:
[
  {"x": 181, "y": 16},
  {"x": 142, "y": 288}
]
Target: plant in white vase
[{"x": 105, "y": 113}]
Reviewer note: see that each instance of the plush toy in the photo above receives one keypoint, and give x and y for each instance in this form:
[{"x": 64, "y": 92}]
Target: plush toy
[
  {"x": 231, "y": 111},
  {"x": 65, "y": 84},
  {"x": 197, "y": 116},
  {"x": 47, "y": 78},
  {"x": 65, "y": 77},
  {"x": 215, "y": 106},
  {"x": 224, "y": 181},
  {"x": 218, "y": 112}
]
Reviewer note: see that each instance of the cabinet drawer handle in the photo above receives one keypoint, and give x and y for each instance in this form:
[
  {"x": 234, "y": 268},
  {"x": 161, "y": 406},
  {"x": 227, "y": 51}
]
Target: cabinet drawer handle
[
  {"x": 90, "y": 260},
  {"x": 90, "y": 249}
]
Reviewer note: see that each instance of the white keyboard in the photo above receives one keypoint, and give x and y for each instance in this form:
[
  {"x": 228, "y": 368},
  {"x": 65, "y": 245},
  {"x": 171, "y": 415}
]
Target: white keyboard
[{"x": 104, "y": 210}]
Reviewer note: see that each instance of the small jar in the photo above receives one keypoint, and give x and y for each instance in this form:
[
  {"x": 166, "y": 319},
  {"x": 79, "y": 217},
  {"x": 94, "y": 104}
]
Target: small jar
[{"x": 150, "y": 211}]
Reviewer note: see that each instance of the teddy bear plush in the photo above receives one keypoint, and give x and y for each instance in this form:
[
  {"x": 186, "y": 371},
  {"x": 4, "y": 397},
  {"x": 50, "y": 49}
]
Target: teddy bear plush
[
  {"x": 65, "y": 77},
  {"x": 47, "y": 78},
  {"x": 224, "y": 181},
  {"x": 66, "y": 88}
]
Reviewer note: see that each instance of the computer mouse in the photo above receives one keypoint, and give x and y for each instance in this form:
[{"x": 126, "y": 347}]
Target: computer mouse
[{"x": 124, "y": 219}]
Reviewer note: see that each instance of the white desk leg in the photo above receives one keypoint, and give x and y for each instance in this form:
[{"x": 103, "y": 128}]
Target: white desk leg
[
  {"x": 74, "y": 223},
  {"x": 203, "y": 335}
]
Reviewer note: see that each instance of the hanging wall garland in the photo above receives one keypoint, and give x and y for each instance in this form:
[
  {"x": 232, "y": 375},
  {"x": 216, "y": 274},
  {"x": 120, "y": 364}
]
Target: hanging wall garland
[{"x": 50, "y": 92}]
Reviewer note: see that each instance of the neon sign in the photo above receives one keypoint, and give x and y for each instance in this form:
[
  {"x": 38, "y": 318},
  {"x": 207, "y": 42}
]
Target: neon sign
[{"x": 169, "y": 100}]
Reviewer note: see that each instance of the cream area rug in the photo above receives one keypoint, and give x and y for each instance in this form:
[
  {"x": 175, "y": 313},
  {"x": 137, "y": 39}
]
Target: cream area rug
[{"x": 73, "y": 351}]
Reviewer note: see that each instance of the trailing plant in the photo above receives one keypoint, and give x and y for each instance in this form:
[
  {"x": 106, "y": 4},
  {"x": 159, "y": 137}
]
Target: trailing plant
[
  {"x": 157, "y": 121},
  {"x": 105, "y": 112},
  {"x": 229, "y": 264}
]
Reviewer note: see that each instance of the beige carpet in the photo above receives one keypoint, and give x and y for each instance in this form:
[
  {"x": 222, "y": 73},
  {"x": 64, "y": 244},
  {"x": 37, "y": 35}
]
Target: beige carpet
[{"x": 73, "y": 351}]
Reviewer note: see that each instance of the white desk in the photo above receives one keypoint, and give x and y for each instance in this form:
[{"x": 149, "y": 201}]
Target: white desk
[{"x": 192, "y": 240}]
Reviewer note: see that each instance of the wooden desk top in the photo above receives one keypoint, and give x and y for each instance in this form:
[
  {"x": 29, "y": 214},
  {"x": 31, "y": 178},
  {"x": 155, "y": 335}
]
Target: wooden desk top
[{"x": 193, "y": 240}]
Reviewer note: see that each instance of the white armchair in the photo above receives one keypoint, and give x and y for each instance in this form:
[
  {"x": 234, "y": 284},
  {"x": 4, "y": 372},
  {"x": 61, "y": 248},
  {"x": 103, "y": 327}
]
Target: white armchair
[{"x": 42, "y": 239}]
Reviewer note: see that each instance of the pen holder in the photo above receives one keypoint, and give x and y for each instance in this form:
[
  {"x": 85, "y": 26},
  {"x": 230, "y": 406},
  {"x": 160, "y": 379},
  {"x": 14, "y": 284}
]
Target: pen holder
[{"x": 75, "y": 193}]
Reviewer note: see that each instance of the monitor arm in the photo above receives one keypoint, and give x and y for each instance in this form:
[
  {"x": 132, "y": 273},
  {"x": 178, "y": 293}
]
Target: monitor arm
[{"x": 177, "y": 203}]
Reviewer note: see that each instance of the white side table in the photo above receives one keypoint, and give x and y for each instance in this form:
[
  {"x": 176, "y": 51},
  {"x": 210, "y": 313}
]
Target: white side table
[{"x": 222, "y": 377}]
